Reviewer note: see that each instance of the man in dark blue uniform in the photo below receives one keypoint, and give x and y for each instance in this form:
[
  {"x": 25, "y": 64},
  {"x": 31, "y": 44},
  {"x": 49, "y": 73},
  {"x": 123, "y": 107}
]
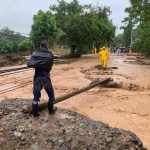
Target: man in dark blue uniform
[{"x": 42, "y": 61}]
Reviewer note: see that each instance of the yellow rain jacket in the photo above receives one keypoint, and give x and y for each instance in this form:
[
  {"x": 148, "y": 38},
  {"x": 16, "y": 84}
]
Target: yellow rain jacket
[{"x": 103, "y": 57}]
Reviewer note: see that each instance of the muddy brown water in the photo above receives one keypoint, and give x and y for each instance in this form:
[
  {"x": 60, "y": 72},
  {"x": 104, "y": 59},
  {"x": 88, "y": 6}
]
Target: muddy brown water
[{"x": 121, "y": 108}]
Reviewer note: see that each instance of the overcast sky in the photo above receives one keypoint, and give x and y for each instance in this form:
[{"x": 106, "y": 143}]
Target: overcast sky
[{"x": 17, "y": 14}]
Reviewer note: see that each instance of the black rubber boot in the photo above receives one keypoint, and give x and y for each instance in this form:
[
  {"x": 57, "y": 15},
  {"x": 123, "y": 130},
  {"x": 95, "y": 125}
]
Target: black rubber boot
[
  {"x": 51, "y": 108},
  {"x": 35, "y": 110}
]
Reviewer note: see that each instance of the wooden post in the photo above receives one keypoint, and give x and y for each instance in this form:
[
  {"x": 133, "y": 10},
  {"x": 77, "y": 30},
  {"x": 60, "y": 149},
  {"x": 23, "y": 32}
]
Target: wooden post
[{"x": 96, "y": 83}]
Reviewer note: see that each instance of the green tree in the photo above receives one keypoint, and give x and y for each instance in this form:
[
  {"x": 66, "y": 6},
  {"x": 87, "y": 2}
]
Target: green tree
[
  {"x": 44, "y": 27},
  {"x": 25, "y": 45},
  {"x": 82, "y": 26},
  {"x": 118, "y": 41},
  {"x": 9, "y": 41},
  {"x": 139, "y": 16}
]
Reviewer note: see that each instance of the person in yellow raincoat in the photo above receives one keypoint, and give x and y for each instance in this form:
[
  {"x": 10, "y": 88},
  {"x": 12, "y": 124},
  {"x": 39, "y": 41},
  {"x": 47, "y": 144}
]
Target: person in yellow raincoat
[{"x": 104, "y": 56}]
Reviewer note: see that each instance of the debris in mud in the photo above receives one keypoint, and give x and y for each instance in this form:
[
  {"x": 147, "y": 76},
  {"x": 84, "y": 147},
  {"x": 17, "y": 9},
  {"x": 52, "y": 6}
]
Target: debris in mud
[
  {"x": 96, "y": 71},
  {"x": 99, "y": 70},
  {"x": 137, "y": 60},
  {"x": 65, "y": 130},
  {"x": 11, "y": 59},
  {"x": 99, "y": 67},
  {"x": 119, "y": 80},
  {"x": 133, "y": 87}
]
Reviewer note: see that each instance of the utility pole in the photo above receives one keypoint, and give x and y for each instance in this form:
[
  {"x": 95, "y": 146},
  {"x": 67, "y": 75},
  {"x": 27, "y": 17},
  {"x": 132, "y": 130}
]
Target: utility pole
[
  {"x": 131, "y": 41},
  {"x": 131, "y": 35}
]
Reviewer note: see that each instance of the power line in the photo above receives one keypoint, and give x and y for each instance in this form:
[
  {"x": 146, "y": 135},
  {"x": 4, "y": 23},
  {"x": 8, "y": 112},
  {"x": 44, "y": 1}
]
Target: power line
[
  {"x": 14, "y": 88},
  {"x": 22, "y": 69},
  {"x": 15, "y": 72},
  {"x": 13, "y": 82},
  {"x": 13, "y": 69}
]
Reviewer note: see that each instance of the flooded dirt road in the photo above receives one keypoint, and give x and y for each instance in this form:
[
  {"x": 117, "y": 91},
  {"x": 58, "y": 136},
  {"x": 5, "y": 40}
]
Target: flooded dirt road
[{"x": 127, "y": 107}]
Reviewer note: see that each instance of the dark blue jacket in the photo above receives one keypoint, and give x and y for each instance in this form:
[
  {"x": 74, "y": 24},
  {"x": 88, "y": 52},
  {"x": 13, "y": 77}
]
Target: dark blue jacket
[{"x": 42, "y": 61}]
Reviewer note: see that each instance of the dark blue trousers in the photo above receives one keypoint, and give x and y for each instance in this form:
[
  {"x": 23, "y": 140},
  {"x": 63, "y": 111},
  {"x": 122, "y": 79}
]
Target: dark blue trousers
[{"x": 41, "y": 82}]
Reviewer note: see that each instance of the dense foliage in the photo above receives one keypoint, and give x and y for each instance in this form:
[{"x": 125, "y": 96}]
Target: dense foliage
[
  {"x": 79, "y": 27},
  {"x": 11, "y": 42},
  {"x": 118, "y": 41},
  {"x": 65, "y": 24},
  {"x": 44, "y": 27},
  {"x": 138, "y": 26}
]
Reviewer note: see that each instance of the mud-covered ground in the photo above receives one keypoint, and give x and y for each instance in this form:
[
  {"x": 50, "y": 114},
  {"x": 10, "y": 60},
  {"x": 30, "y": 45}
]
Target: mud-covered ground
[
  {"x": 65, "y": 130},
  {"x": 126, "y": 107}
]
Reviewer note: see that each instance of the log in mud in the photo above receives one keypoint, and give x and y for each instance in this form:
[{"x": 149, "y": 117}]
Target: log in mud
[
  {"x": 100, "y": 82},
  {"x": 126, "y": 107}
]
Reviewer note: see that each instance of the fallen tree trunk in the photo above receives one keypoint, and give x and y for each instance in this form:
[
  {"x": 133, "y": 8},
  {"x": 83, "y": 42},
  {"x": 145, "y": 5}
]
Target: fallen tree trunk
[{"x": 100, "y": 82}]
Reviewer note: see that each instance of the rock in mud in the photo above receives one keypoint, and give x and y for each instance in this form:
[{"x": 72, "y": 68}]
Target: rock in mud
[
  {"x": 17, "y": 134},
  {"x": 65, "y": 130}
]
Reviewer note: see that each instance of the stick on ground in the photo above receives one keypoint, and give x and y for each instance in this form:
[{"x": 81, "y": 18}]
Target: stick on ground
[{"x": 43, "y": 106}]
